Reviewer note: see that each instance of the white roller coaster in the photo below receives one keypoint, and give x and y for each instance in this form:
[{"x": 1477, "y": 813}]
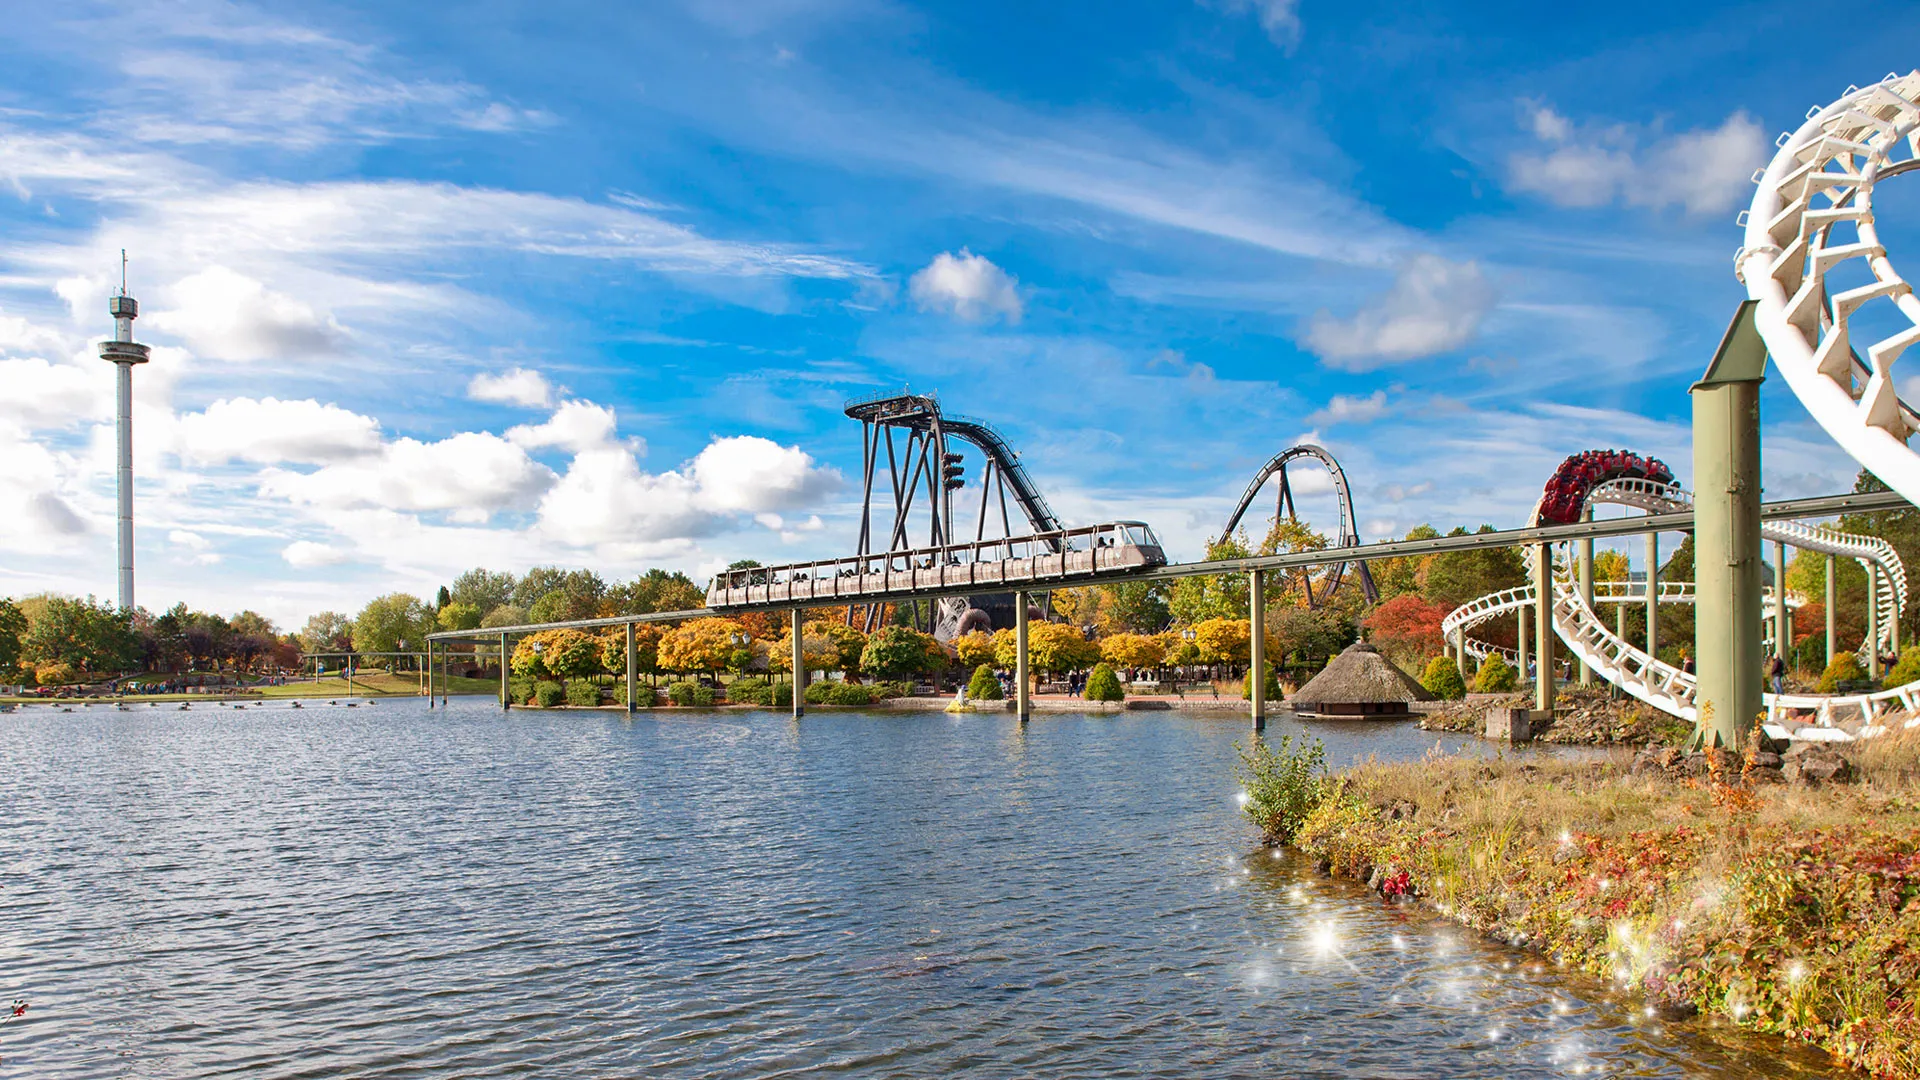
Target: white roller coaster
[
  {"x": 1660, "y": 684},
  {"x": 1814, "y": 263}
]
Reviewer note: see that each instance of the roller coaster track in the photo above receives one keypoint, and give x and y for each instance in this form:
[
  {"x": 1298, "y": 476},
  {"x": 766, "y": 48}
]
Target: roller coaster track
[
  {"x": 1662, "y": 685},
  {"x": 1812, "y": 219},
  {"x": 1349, "y": 529}
]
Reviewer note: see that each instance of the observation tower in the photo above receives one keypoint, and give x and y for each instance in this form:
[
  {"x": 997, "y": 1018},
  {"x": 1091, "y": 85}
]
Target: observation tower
[{"x": 123, "y": 352}]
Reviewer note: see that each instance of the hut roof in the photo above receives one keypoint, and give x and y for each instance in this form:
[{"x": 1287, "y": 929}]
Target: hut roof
[{"x": 1360, "y": 675}]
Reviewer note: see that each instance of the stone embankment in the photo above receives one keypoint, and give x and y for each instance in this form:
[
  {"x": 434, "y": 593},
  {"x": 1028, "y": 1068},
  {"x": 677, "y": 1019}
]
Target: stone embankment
[{"x": 1583, "y": 716}]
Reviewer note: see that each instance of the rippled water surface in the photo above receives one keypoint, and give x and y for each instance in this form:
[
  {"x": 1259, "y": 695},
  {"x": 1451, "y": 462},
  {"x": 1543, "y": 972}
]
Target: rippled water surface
[{"x": 387, "y": 892}]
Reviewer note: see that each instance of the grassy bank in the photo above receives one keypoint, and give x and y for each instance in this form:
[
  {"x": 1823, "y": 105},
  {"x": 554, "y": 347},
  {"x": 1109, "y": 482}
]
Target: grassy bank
[
  {"x": 1786, "y": 909},
  {"x": 371, "y": 684}
]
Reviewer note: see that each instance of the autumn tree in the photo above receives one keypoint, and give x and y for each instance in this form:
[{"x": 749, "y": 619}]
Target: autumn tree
[
  {"x": 1057, "y": 648},
  {"x": 974, "y": 648},
  {"x": 1407, "y": 628},
  {"x": 560, "y": 654},
  {"x": 895, "y": 652},
  {"x": 1132, "y": 650},
  {"x": 699, "y": 645},
  {"x": 1222, "y": 641},
  {"x": 1212, "y": 596}
]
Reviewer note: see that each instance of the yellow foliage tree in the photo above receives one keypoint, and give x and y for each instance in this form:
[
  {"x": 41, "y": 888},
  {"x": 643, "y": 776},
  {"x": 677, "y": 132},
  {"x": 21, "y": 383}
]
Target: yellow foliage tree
[
  {"x": 1223, "y": 641},
  {"x": 817, "y": 648},
  {"x": 1057, "y": 647},
  {"x": 1133, "y": 650},
  {"x": 699, "y": 645},
  {"x": 646, "y": 647},
  {"x": 975, "y": 647}
]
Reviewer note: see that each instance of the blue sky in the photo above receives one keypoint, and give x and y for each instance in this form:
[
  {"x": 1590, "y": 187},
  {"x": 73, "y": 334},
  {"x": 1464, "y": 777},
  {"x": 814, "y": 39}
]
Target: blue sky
[{"x": 557, "y": 284}]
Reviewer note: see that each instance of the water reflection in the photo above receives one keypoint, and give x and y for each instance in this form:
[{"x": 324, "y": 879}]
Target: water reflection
[{"x": 387, "y": 892}]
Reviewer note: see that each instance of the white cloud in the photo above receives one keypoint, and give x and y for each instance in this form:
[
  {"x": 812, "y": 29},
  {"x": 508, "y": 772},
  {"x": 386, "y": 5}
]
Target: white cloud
[
  {"x": 472, "y": 474},
  {"x": 1279, "y": 18},
  {"x": 967, "y": 286},
  {"x": 307, "y": 554},
  {"x": 1350, "y": 409},
  {"x": 517, "y": 386},
  {"x": 605, "y": 498},
  {"x": 271, "y": 431},
  {"x": 1703, "y": 171},
  {"x": 578, "y": 426},
  {"x": 1434, "y": 306},
  {"x": 749, "y": 474},
  {"x": 54, "y": 395},
  {"x": 191, "y": 540},
  {"x": 224, "y": 315}
]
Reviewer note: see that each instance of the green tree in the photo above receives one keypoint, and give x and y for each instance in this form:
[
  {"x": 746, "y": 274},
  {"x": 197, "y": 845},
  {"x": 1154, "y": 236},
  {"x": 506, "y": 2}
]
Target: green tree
[
  {"x": 1399, "y": 576},
  {"x": 657, "y": 590},
  {"x": 458, "y": 615},
  {"x": 86, "y": 635},
  {"x": 506, "y": 615},
  {"x": 579, "y": 594},
  {"x": 388, "y": 620},
  {"x": 1307, "y": 634},
  {"x": 1899, "y": 527},
  {"x": 1138, "y": 606},
  {"x": 484, "y": 589},
  {"x": 895, "y": 652},
  {"x": 13, "y": 627},
  {"x": 1194, "y": 600},
  {"x": 1454, "y": 577}
]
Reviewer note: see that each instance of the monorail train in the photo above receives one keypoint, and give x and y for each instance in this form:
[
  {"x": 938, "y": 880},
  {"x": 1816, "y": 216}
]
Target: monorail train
[{"x": 1042, "y": 559}]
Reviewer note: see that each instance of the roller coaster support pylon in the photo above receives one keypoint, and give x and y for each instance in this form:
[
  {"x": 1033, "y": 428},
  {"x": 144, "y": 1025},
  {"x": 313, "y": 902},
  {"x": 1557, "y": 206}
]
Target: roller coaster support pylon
[{"x": 1727, "y": 544}]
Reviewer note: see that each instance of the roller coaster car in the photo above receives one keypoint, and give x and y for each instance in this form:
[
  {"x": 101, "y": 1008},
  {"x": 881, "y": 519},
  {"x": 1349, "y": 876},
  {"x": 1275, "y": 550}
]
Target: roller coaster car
[{"x": 1565, "y": 494}]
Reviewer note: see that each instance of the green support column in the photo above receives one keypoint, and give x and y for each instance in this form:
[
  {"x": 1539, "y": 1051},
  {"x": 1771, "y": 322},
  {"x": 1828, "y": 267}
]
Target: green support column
[
  {"x": 1585, "y": 571},
  {"x": 444, "y": 687},
  {"x": 1653, "y": 594},
  {"x": 506, "y": 703},
  {"x": 1833, "y": 594},
  {"x": 426, "y": 675},
  {"x": 1620, "y": 621},
  {"x": 633, "y": 670},
  {"x": 1521, "y": 629},
  {"x": 1543, "y": 689},
  {"x": 1022, "y": 694},
  {"x": 1257, "y": 648},
  {"x": 799, "y": 662},
  {"x": 1727, "y": 544},
  {"x": 1782, "y": 620}
]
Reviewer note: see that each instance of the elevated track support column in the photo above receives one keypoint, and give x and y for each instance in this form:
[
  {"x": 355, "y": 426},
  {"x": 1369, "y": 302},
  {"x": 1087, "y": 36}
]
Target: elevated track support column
[
  {"x": 1727, "y": 545},
  {"x": 1521, "y": 626},
  {"x": 1585, "y": 571},
  {"x": 506, "y": 702},
  {"x": 1543, "y": 629},
  {"x": 1653, "y": 595},
  {"x": 1782, "y": 618},
  {"x": 1257, "y": 648},
  {"x": 799, "y": 661},
  {"x": 633, "y": 669},
  {"x": 1873, "y": 623},
  {"x": 1833, "y": 595},
  {"x": 1022, "y": 694},
  {"x": 427, "y": 674}
]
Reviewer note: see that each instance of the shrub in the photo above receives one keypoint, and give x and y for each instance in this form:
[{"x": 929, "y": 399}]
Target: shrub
[
  {"x": 1442, "y": 679},
  {"x": 643, "y": 697},
  {"x": 1282, "y": 784},
  {"x": 1907, "y": 669},
  {"x": 519, "y": 689},
  {"x": 840, "y": 693},
  {"x": 1103, "y": 685},
  {"x": 896, "y": 689},
  {"x": 1842, "y": 668},
  {"x": 983, "y": 686},
  {"x": 582, "y": 692},
  {"x": 56, "y": 673},
  {"x": 751, "y": 692},
  {"x": 547, "y": 693},
  {"x": 1495, "y": 676},
  {"x": 690, "y": 693}
]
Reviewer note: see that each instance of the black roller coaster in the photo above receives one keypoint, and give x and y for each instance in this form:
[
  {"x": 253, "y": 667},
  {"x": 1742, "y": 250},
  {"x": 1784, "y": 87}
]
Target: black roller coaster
[{"x": 1283, "y": 507}]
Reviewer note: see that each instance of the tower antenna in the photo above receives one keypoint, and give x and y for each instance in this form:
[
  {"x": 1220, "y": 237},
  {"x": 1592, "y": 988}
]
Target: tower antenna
[{"x": 123, "y": 271}]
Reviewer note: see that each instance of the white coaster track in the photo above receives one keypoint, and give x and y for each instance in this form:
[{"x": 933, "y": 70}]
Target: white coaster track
[
  {"x": 1812, "y": 219},
  {"x": 1587, "y": 636}
]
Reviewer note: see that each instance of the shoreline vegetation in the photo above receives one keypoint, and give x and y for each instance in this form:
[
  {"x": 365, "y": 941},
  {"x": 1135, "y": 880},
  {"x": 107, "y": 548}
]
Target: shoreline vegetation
[{"x": 1709, "y": 885}]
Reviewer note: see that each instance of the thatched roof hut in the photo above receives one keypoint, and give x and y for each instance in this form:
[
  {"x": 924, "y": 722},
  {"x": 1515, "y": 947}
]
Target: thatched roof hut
[{"x": 1359, "y": 682}]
